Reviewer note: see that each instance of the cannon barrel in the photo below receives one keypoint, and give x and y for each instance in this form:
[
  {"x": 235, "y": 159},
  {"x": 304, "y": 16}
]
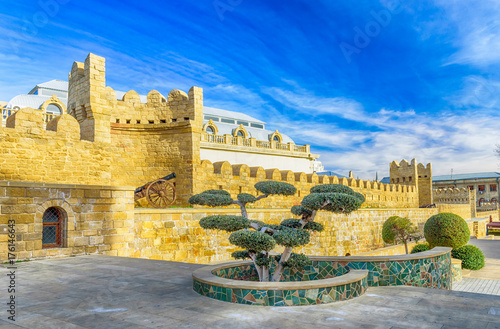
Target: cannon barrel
[{"x": 168, "y": 177}]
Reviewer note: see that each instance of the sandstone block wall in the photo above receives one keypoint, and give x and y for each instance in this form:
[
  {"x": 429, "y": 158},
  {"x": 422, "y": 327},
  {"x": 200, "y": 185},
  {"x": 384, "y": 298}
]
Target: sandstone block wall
[
  {"x": 463, "y": 210},
  {"x": 99, "y": 219},
  {"x": 174, "y": 234}
]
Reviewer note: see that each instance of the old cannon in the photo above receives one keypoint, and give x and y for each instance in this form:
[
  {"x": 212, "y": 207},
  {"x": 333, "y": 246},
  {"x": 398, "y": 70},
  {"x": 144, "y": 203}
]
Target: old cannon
[{"x": 159, "y": 193}]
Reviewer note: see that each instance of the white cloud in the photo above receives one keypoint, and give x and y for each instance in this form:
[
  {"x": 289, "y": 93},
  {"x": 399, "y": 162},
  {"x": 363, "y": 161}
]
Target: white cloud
[
  {"x": 463, "y": 140},
  {"x": 306, "y": 102},
  {"x": 477, "y": 29}
]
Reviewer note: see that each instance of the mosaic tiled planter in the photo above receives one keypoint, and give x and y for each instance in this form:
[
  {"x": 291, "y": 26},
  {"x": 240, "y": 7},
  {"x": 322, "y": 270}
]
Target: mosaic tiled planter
[{"x": 327, "y": 280}]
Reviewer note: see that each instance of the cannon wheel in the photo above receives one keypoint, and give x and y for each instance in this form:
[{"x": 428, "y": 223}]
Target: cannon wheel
[{"x": 161, "y": 194}]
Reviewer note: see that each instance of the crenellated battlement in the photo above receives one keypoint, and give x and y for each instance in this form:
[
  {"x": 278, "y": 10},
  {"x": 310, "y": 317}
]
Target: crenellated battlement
[
  {"x": 241, "y": 178},
  {"x": 32, "y": 122},
  {"x": 454, "y": 195}
]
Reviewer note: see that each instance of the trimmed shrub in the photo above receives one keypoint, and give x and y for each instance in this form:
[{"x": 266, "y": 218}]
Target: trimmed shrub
[
  {"x": 420, "y": 247},
  {"x": 291, "y": 237},
  {"x": 295, "y": 223},
  {"x": 246, "y": 198},
  {"x": 334, "y": 202},
  {"x": 227, "y": 223},
  {"x": 446, "y": 230},
  {"x": 273, "y": 187},
  {"x": 211, "y": 199},
  {"x": 301, "y": 211},
  {"x": 252, "y": 240},
  {"x": 297, "y": 261},
  {"x": 471, "y": 256}
]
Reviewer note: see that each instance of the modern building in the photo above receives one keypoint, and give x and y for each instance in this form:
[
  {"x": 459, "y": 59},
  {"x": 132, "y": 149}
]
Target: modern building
[
  {"x": 51, "y": 97},
  {"x": 485, "y": 184}
]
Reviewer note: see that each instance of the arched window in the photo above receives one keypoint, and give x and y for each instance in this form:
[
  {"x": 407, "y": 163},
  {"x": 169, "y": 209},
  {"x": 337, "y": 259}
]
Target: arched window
[
  {"x": 210, "y": 130},
  {"x": 276, "y": 139},
  {"x": 52, "y": 227},
  {"x": 493, "y": 201},
  {"x": 53, "y": 109},
  {"x": 481, "y": 202},
  {"x": 240, "y": 133}
]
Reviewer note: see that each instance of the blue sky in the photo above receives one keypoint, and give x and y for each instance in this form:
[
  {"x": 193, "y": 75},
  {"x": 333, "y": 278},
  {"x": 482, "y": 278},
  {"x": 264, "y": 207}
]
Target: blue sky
[{"x": 363, "y": 82}]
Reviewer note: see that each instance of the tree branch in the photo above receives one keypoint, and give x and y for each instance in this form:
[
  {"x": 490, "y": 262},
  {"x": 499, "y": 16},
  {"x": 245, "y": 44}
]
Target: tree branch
[
  {"x": 261, "y": 197},
  {"x": 242, "y": 208}
]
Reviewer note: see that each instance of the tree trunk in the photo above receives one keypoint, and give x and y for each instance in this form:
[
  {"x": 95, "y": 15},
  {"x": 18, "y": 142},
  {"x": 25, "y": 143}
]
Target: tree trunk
[
  {"x": 265, "y": 274},
  {"x": 406, "y": 246},
  {"x": 279, "y": 269},
  {"x": 258, "y": 268}
]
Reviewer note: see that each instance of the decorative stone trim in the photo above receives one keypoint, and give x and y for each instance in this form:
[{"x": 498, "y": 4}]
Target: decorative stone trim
[{"x": 69, "y": 218}]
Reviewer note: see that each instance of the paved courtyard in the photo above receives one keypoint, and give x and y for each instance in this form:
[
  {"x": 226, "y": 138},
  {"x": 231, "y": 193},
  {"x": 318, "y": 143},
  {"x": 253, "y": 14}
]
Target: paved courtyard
[{"x": 113, "y": 292}]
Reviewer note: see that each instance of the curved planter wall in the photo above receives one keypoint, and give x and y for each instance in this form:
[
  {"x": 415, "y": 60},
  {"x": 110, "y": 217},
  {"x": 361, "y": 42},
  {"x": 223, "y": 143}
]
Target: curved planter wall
[{"x": 327, "y": 280}]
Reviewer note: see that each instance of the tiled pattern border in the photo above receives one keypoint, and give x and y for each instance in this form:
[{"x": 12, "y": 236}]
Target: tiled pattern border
[{"x": 430, "y": 269}]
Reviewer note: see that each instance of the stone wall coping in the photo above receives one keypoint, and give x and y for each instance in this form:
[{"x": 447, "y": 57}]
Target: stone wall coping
[
  {"x": 435, "y": 252},
  {"x": 456, "y": 261},
  {"x": 71, "y": 186},
  {"x": 205, "y": 275},
  {"x": 256, "y": 210},
  {"x": 478, "y": 219}
]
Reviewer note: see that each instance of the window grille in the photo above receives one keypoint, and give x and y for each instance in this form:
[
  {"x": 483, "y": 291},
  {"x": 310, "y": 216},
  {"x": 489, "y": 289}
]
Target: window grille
[{"x": 51, "y": 235}]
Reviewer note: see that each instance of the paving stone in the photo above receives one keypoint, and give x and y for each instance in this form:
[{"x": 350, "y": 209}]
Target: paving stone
[{"x": 115, "y": 292}]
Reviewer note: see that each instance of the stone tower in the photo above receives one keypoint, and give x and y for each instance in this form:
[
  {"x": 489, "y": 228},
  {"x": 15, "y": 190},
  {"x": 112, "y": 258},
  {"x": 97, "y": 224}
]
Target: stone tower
[
  {"x": 87, "y": 99},
  {"x": 418, "y": 175}
]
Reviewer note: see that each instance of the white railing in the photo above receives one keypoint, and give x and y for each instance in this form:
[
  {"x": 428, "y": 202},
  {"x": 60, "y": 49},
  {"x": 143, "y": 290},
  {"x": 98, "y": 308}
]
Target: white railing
[
  {"x": 281, "y": 146},
  {"x": 263, "y": 144},
  {"x": 300, "y": 148},
  {"x": 231, "y": 140}
]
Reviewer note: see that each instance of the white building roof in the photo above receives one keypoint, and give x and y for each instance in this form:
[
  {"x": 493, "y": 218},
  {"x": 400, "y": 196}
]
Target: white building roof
[
  {"x": 52, "y": 84},
  {"x": 230, "y": 115},
  {"x": 33, "y": 101}
]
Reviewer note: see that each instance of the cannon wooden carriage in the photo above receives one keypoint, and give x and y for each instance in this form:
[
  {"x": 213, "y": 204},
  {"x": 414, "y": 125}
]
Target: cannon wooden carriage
[{"x": 159, "y": 193}]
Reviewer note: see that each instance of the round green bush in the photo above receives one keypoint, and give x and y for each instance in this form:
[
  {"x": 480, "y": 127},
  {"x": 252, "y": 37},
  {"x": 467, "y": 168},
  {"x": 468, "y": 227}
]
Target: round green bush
[
  {"x": 471, "y": 256},
  {"x": 446, "y": 230},
  {"x": 419, "y": 247}
]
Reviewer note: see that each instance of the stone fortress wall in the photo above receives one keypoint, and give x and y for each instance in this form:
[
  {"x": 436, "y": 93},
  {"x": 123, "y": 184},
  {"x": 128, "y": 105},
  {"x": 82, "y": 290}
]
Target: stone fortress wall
[
  {"x": 81, "y": 161},
  {"x": 241, "y": 179}
]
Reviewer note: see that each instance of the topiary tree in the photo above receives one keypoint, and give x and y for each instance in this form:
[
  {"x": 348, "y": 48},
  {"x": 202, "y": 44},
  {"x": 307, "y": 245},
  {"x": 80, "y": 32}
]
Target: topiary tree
[
  {"x": 471, "y": 256},
  {"x": 446, "y": 230},
  {"x": 399, "y": 229},
  {"x": 258, "y": 238}
]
